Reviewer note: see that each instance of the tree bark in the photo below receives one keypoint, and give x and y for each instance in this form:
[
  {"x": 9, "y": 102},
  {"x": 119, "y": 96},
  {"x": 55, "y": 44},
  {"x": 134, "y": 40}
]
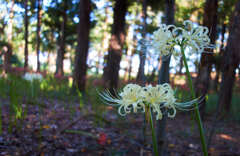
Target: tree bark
[
  {"x": 205, "y": 68},
  {"x": 163, "y": 77},
  {"x": 181, "y": 66},
  {"x": 80, "y": 67},
  {"x": 61, "y": 50},
  {"x": 8, "y": 54},
  {"x": 111, "y": 71},
  {"x": 7, "y": 57},
  {"x": 231, "y": 59},
  {"x": 219, "y": 58},
  {"x": 140, "y": 75},
  {"x": 26, "y": 35},
  {"x": 39, "y": 3}
]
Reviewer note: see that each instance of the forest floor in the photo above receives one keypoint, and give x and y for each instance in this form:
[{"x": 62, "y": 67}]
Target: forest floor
[{"x": 58, "y": 130}]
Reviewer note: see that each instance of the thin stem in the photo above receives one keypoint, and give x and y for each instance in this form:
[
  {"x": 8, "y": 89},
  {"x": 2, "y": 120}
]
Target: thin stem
[
  {"x": 32, "y": 85},
  {"x": 198, "y": 117},
  {"x": 154, "y": 139},
  {"x": 0, "y": 119}
]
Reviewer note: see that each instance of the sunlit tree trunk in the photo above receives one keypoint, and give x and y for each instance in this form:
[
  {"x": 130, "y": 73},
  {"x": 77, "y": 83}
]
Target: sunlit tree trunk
[
  {"x": 39, "y": 3},
  {"x": 205, "y": 68},
  {"x": 163, "y": 77},
  {"x": 111, "y": 71},
  {"x": 61, "y": 50},
  {"x": 80, "y": 66},
  {"x": 231, "y": 59},
  {"x": 26, "y": 34}
]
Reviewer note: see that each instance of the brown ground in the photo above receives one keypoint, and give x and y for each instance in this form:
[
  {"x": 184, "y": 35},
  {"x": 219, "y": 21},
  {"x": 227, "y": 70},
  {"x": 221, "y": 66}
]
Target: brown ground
[{"x": 111, "y": 135}]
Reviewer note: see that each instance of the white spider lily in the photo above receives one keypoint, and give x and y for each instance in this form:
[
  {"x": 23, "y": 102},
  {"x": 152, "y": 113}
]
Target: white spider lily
[
  {"x": 127, "y": 100},
  {"x": 159, "y": 97},
  {"x": 32, "y": 76},
  {"x": 167, "y": 38},
  {"x": 196, "y": 38},
  {"x": 134, "y": 98},
  {"x": 163, "y": 39}
]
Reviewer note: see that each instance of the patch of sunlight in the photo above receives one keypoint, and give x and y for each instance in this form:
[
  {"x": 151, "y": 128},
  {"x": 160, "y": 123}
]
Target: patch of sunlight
[{"x": 226, "y": 137}]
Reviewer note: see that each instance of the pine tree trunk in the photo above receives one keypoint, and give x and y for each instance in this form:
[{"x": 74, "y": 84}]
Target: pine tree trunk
[
  {"x": 61, "y": 50},
  {"x": 231, "y": 60},
  {"x": 218, "y": 60},
  {"x": 38, "y": 32},
  {"x": 7, "y": 56},
  {"x": 163, "y": 77},
  {"x": 80, "y": 68},
  {"x": 140, "y": 76},
  {"x": 181, "y": 66},
  {"x": 111, "y": 71},
  {"x": 26, "y": 35},
  {"x": 205, "y": 68}
]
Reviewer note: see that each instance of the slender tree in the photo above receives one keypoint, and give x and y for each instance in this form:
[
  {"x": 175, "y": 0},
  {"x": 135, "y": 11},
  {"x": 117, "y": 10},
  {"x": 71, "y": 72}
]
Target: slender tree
[
  {"x": 8, "y": 54},
  {"x": 111, "y": 75},
  {"x": 62, "y": 41},
  {"x": 231, "y": 60},
  {"x": 80, "y": 68},
  {"x": 205, "y": 68},
  {"x": 39, "y": 3},
  {"x": 140, "y": 76},
  {"x": 26, "y": 34},
  {"x": 163, "y": 77},
  {"x": 218, "y": 58}
]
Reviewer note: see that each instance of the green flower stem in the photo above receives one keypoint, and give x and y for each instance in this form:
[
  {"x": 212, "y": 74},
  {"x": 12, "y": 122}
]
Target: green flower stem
[
  {"x": 198, "y": 118},
  {"x": 154, "y": 139},
  {"x": 0, "y": 119},
  {"x": 32, "y": 89}
]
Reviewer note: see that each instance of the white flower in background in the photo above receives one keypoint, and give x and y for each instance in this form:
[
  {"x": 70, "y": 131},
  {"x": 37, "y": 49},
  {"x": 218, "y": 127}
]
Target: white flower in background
[
  {"x": 158, "y": 98},
  {"x": 32, "y": 76},
  {"x": 196, "y": 38},
  {"x": 163, "y": 40},
  {"x": 167, "y": 38}
]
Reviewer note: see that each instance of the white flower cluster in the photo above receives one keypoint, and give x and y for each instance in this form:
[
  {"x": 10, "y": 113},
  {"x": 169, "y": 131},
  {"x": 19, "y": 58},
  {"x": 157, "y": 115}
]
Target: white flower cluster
[
  {"x": 166, "y": 38},
  {"x": 32, "y": 76},
  {"x": 163, "y": 39},
  {"x": 136, "y": 98}
]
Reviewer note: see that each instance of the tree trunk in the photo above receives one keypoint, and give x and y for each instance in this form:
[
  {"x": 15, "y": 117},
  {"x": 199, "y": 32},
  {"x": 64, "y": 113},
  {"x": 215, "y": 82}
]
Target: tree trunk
[
  {"x": 203, "y": 78},
  {"x": 231, "y": 59},
  {"x": 80, "y": 68},
  {"x": 8, "y": 54},
  {"x": 26, "y": 35},
  {"x": 218, "y": 60},
  {"x": 61, "y": 50},
  {"x": 140, "y": 76},
  {"x": 163, "y": 77},
  {"x": 39, "y": 3},
  {"x": 181, "y": 66},
  {"x": 104, "y": 40},
  {"x": 111, "y": 71},
  {"x": 7, "y": 57}
]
